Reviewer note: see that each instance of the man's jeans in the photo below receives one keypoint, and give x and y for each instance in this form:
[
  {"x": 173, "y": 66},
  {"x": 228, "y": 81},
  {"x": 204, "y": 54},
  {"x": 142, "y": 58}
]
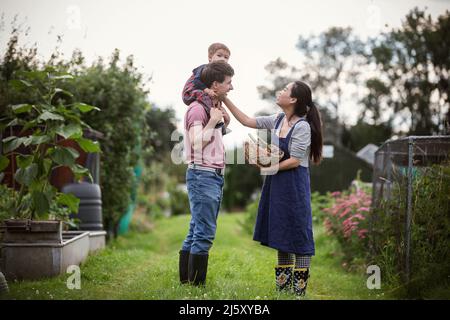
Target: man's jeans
[{"x": 205, "y": 196}]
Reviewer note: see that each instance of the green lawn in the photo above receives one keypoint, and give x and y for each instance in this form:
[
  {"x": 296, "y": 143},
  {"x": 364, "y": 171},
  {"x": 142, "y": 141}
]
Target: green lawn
[{"x": 145, "y": 266}]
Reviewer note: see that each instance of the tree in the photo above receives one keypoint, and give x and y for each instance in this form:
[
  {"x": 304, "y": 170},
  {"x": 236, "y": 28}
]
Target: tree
[
  {"x": 332, "y": 61},
  {"x": 413, "y": 74}
]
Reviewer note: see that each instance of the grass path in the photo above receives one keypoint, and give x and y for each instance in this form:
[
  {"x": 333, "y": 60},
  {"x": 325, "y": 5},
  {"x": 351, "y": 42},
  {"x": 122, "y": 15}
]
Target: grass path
[{"x": 145, "y": 266}]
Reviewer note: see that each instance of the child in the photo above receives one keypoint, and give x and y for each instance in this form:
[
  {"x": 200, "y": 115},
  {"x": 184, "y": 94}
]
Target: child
[{"x": 195, "y": 89}]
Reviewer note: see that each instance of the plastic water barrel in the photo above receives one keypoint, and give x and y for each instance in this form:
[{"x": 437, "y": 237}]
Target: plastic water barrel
[{"x": 90, "y": 207}]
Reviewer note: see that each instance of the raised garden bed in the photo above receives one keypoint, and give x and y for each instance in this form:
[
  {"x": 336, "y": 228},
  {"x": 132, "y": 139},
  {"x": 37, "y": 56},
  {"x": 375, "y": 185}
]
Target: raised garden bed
[
  {"x": 41, "y": 260},
  {"x": 97, "y": 239}
]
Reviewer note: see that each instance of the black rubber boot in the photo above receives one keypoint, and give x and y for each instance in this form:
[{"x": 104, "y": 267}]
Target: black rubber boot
[
  {"x": 301, "y": 277},
  {"x": 198, "y": 266},
  {"x": 283, "y": 277},
  {"x": 183, "y": 266}
]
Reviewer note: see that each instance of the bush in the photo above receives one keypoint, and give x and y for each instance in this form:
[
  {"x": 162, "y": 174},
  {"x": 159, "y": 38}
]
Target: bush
[
  {"x": 178, "y": 199},
  {"x": 241, "y": 181},
  {"x": 430, "y": 236},
  {"x": 250, "y": 217},
  {"x": 118, "y": 92},
  {"x": 318, "y": 203}
]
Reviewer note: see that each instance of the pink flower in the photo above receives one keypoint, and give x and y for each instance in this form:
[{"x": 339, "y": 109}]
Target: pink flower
[
  {"x": 336, "y": 194},
  {"x": 362, "y": 233}
]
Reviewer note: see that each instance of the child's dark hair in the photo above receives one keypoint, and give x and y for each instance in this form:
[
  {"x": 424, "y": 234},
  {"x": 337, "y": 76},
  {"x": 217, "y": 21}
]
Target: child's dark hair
[
  {"x": 305, "y": 106},
  {"x": 217, "y": 46},
  {"x": 216, "y": 71}
]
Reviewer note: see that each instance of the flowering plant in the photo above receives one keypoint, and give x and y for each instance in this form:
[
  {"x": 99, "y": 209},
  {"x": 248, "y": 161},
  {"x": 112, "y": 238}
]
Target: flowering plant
[{"x": 346, "y": 219}]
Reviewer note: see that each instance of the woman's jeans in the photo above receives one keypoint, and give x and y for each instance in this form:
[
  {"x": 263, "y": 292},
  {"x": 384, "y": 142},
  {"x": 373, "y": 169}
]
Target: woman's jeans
[{"x": 205, "y": 195}]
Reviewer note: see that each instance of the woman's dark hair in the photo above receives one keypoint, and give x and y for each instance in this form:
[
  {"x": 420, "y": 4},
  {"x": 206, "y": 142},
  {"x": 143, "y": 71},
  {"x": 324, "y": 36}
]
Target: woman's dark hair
[{"x": 305, "y": 106}]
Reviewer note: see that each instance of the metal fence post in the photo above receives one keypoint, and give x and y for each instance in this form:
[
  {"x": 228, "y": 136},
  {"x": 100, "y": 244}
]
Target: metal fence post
[{"x": 409, "y": 209}]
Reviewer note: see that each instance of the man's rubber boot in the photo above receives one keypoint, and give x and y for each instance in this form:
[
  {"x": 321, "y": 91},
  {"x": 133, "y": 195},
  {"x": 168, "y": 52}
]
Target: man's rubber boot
[
  {"x": 198, "y": 266},
  {"x": 183, "y": 266}
]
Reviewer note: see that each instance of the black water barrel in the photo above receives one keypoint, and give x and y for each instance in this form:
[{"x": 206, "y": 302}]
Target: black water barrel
[{"x": 90, "y": 208}]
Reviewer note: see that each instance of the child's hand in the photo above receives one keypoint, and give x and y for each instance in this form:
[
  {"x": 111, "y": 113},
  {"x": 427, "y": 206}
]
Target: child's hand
[
  {"x": 216, "y": 114},
  {"x": 210, "y": 92},
  {"x": 226, "y": 116}
]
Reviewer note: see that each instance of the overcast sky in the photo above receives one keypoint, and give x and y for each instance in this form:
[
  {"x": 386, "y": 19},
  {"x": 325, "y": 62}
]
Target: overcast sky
[{"x": 170, "y": 37}]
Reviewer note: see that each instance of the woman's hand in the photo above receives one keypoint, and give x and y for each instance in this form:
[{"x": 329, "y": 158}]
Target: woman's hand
[{"x": 239, "y": 115}]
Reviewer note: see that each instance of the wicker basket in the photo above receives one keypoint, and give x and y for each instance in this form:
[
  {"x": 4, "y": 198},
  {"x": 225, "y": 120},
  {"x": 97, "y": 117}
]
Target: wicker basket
[{"x": 259, "y": 153}]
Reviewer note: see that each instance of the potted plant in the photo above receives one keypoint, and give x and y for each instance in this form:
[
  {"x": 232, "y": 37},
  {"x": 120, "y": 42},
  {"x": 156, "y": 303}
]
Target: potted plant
[{"x": 32, "y": 151}]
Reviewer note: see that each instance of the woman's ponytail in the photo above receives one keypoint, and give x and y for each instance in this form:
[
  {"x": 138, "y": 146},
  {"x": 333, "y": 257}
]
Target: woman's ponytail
[
  {"x": 305, "y": 105},
  {"x": 315, "y": 122}
]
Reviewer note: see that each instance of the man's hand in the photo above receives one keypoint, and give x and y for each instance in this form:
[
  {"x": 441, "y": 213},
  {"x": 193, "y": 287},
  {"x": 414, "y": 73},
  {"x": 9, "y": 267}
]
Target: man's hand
[{"x": 211, "y": 93}]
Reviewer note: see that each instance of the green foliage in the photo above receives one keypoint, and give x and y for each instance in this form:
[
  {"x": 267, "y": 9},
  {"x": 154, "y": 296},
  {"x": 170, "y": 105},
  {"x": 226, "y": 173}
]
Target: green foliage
[
  {"x": 358, "y": 136},
  {"x": 53, "y": 112},
  {"x": 7, "y": 196},
  {"x": 318, "y": 203},
  {"x": 251, "y": 212},
  {"x": 118, "y": 91},
  {"x": 413, "y": 73},
  {"x": 332, "y": 61},
  {"x": 160, "y": 126},
  {"x": 325, "y": 177},
  {"x": 241, "y": 181},
  {"x": 144, "y": 266},
  {"x": 178, "y": 199},
  {"x": 430, "y": 254}
]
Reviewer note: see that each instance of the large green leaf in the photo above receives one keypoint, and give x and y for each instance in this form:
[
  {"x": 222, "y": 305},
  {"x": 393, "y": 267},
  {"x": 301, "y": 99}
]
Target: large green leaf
[
  {"x": 65, "y": 156},
  {"x": 27, "y": 175},
  {"x": 88, "y": 145},
  {"x": 79, "y": 172},
  {"x": 21, "y": 108},
  {"x": 68, "y": 200},
  {"x": 61, "y": 76},
  {"x": 27, "y": 140},
  {"x": 4, "y": 162},
  {"x": 41, "y": 202},
  {"x": 40, "y": 139},
  {"x": 70, "y": 130},
  {"x": 28, "y": 125},
  {"x": 13, "y": 122},
  {"x": 85, "y": 107},
  {"x": 11, "y": 144},
  {"x": 19, "y": 84},
  {"x": 60, "y": 91},
  {"x": 47, "y": 163},
  {"x": 46, "y": 115},
  {"x": 24, "y": 161}
]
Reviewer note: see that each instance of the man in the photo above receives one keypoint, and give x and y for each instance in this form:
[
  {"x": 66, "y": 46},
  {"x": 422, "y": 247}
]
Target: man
[{"x": 205, "y": 155}]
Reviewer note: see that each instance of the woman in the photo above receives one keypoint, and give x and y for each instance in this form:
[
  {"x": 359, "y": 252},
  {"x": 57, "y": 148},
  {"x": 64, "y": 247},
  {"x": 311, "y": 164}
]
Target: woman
[{"x": 284, "y": 220}]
